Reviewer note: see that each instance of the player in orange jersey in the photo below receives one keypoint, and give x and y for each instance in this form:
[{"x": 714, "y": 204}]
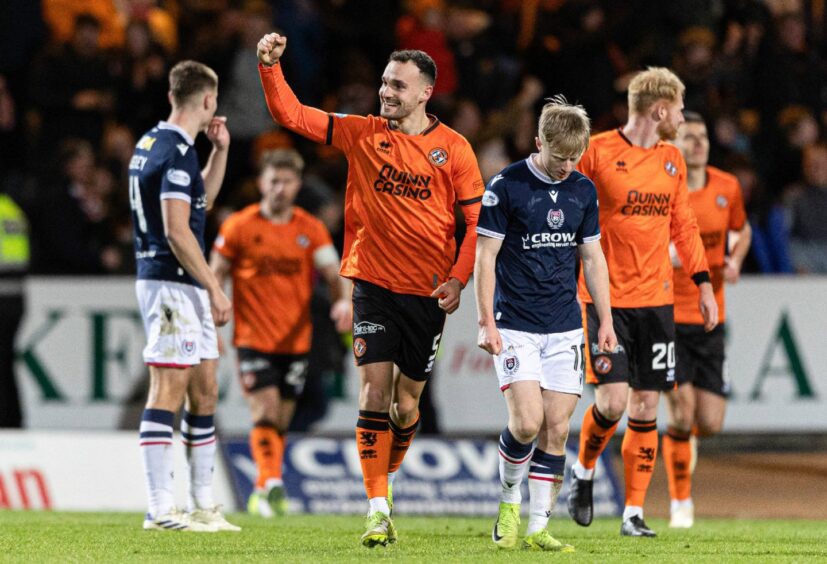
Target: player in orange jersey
[
  {"x": 700, "y": 399},
  {"x": 270, "y": 250},
  {"x": 407, "y": 172},
  {"x": 641, "y": 185}
]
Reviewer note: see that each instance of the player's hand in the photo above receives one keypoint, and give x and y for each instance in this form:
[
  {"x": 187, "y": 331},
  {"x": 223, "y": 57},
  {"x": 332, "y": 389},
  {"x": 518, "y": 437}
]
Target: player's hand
[
  {"x": 269, "y": 49},
  {"x": 732, "y": 270},
  {"x": 218, "y": 134},
  {"x": 489, "y": 339},
  {"x": 341, "y": 312},
  {"x": 708, "y": 306},
  {"x": 221, "y": 307},
  {"x": 606, "y": 338},
  {"x": 448, "y": 294}
]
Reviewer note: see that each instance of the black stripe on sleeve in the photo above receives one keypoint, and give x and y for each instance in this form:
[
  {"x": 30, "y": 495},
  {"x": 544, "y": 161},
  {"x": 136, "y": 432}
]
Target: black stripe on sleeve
[
  {"x": 700, "y": 277},
  {"x": 329, "y": 139},
  {"x": 471, "y": 201}
]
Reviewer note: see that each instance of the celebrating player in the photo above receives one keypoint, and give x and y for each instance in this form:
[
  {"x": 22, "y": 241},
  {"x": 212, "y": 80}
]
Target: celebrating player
[
  {"x": 406, "y": 173},
  {"x": 536, "y": 215},
  {"x": 180, "y": 299},
  {"x": 270, "y": 250},
  {"x": 641, "y": 183},
  {"x": 700, "y": 399}
]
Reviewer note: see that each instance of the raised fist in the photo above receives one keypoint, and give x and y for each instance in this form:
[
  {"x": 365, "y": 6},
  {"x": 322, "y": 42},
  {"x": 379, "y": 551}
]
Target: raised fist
[{"x": 270, "y": 48}]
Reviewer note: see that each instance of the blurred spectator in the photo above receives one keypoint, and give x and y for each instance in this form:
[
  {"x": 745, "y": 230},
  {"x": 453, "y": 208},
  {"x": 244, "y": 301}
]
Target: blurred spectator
[
  {"x": 240, "y": 98},
  {"x": 14, "y": 262},
  {"x": 808, "y": 209},
  {"x": 161, "y": 23},
  {"x": 141, "y": 70},
  {"x": 62, "y": 18},
  {"x": 769, "y": 252},
  {"x": 68, "y": 223},
  {"x": 72, "y": 88},
  {"x": 423, "y": 28}
]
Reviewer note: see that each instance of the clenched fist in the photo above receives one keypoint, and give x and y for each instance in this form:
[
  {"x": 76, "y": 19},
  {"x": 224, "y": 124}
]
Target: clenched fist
[{"x": 270, "y": 49}]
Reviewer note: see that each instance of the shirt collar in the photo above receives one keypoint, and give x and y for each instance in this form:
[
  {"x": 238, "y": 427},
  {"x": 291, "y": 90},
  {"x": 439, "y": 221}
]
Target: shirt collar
[{"x": 177, "y": 129}]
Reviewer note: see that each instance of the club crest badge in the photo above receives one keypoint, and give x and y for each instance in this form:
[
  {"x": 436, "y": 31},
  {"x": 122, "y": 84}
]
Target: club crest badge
[
  {"x": 671, "y": 169},
  {"x": 555, "y": 218},
  {"x": 511, "y": 364},
  {"x": 438, "y": 156}
]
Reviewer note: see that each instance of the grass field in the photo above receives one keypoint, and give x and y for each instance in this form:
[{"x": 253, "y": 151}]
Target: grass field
[{"x": 35, "y": 537}]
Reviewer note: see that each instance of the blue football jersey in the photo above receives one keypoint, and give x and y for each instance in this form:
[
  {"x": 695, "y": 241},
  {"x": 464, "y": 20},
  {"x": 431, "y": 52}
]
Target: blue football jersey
[
  {"x": 164, "y": 165},
  {"x": 541, "y": 222}
]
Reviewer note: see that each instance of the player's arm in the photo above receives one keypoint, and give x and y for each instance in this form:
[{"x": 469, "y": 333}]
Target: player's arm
[
  {"x": 285, "y": 108},
  {"x": 735, "y": 260},
  {"x": 596, "y": 273},
  {"x": 182, "y": 241},
  {"x": 690, "y": 248},
  {"x": 467, "y": 182},
  {"x": 485, "y": 279},
  {"x": 213, "y": 172},
  {"x": 221, "y": 267},
  {"x": 326, "y": 261}
]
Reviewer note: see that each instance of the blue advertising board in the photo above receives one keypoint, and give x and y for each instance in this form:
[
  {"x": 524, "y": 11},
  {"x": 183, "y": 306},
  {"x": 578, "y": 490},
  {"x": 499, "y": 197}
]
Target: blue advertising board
[{"x": 439, "y": 476}]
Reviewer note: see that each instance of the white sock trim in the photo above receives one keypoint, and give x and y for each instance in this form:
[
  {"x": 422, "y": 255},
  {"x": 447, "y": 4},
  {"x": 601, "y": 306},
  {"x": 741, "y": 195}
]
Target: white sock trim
[{"x": 631, "y": 511}]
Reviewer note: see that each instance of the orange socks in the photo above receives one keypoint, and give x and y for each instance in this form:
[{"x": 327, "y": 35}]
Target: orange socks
[
  {"x": 594, "y": 436},
  {"x": 267, "y": 447},
  {"x": 373, "y": 439},
  {"x": 400, "y": 441},
  {"x": 677, "y": 454},
  {"x": 639, "y": 450}
]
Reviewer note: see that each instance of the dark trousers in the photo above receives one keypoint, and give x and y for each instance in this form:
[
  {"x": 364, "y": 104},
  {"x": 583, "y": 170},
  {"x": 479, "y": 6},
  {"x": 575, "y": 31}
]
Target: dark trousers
[{"x": 11, "y": 312}]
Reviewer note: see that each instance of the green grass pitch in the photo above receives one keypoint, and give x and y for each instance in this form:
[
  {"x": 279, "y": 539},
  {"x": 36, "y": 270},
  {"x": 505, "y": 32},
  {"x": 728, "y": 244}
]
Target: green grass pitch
[{"x": 35, "y": 537}]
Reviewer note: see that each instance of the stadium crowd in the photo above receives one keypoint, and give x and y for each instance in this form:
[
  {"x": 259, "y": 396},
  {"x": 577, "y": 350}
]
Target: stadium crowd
[{"x": 80, "y": 79}]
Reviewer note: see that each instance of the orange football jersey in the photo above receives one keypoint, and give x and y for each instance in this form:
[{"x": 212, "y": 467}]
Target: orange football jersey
[
  {"x": 272, "y": 273},
  {"x": 401, "y": 193},
  {"x": 719, "y": 207},
  {"x": 644, "y": 203}
]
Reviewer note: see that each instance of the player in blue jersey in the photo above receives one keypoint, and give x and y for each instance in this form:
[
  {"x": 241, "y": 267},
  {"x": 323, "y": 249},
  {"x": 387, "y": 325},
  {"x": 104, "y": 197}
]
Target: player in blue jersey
[
  {"x": 180, "y": 298},
  {"x": 536, "y": 215}
]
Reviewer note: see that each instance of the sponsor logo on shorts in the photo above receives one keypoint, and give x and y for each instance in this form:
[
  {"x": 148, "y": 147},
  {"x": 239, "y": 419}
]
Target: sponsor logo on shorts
[
  {"x": 188, "y": 347},
  {"x": 670, "y": 375},
  {"x": 253, "y": 365},
  {"x": 555, "y": 218},
  {"x": 602, "y": 364},
  {"x": 367, "y": 328},
  {"x": 438, "y": 156},
  {"x": 360, "y": 347}
]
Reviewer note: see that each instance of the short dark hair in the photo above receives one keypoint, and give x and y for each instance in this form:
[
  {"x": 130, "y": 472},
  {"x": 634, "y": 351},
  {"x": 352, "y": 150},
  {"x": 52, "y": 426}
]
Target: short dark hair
[
  {"x": 693, "y": 117},
  {"x": 421, "y": 59},
  {"x": 282, "y": 158},
  {"x": 188, "y": 78}
]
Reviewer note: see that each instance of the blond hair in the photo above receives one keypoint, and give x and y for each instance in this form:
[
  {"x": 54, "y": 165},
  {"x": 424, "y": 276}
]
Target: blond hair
[
  {"x": 282, "y": 158},
  {"x": 564, "y": 127},
  {"x": 651, "y": 85}
]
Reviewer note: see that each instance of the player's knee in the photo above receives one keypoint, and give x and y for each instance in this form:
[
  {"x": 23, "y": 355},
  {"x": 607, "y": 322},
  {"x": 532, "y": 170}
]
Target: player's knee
[
  {"x": 709, "y": 427},
  {"x": 407, "y": 407},
  {"x": 374, "y": 398},
  {"x": 612, "y": 407},
  {"x": 525, "y": 429}
]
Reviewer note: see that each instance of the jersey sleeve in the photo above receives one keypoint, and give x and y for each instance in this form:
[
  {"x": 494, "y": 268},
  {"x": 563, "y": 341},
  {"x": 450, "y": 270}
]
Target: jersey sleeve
[
  {"x": 737, "y": 213},
  {"x": 468, "y": 187},
  {"x": 226, "y": 243},
  {"x": 494, "y": 213},
  {"x": 685, "y": 232},
  {"x": 286, "y": 109},
  {"x": 589, "y": 230},
  {"x": 177, "y": 179},
  {"x": 321, "y": 246}
]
